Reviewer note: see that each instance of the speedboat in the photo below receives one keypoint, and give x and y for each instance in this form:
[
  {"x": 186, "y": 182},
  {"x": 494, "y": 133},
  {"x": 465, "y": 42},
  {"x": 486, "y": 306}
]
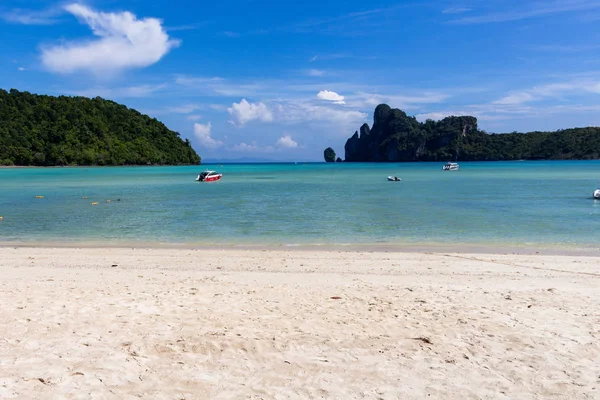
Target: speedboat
[
  {"x": 597, "y": 194},
  {"x": 394, "y": 179},
  {"x": 209, "y": 176},
  {"x": 450, "y": 166}
]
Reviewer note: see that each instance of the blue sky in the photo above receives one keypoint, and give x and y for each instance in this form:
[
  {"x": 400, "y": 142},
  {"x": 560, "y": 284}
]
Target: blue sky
[{"x": 284, "y": 80}]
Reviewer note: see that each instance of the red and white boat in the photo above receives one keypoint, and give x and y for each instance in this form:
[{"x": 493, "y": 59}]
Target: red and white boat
[{"x": 209, "y": 176}]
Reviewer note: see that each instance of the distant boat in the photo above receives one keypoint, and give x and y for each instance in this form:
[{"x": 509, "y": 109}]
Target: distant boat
[
  {"x": 394, "y": 179},
  {"x": 597, "y": 194},
  {"x": 209, "y": 176},
  {"x": 450, "y": 166}
]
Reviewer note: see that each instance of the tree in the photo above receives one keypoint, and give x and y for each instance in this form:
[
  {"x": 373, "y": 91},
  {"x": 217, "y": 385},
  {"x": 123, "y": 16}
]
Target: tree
[{"x": 46, "y": 130}]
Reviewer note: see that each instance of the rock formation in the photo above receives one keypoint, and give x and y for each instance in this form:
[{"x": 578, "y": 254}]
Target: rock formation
[
  {"x": 329, "y": 155},
  {"x": 396, "y": 137}
]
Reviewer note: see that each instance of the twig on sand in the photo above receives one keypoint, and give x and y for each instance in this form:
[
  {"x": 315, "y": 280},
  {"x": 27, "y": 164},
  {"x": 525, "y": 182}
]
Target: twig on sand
[{"x": 423, "y": 339}]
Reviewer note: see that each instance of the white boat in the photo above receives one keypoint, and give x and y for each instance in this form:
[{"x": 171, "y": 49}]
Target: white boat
[
  {"x": 394, "y": 178},
  {"x": 450, "y": 166},
  {"x": 597, "y": 194},
  {"x": 209, "y": 176}
]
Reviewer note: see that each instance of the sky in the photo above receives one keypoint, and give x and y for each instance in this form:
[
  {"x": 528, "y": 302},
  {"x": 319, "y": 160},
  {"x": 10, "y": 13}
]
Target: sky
[{"x": 281, "y": 81}]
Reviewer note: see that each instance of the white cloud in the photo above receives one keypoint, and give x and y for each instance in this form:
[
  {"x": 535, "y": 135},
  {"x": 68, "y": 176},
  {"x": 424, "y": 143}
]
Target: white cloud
[
  {"x": 244, "y": 147},
  {"x": 541, "y": 92},
  {"x": 217, "y": 86},
  {"x": 32, "y": 17},
  {"x": 196, "y": 80},
  {"x": 303, "y": 112},
  {"x": 184, "y": 109},
  {"x": 515, "y": 98},
  {"x": 315, "y": 72},
  {"x": 252, "y": 148},
  {"x": 244, "y": 112},
  {"x": 287, "y": 141},
  {"x": 22, "y": 69},
  {"x": 483, "y": 112},
  {"x": 363, "y": 100},
  {"x": 337, "y": 56},
  {"x": 456, "y": 10},
  {"x": 338, "y": 120},
  {"x": 124, "y": 42},
  {"x": 236, "y": 90},
  {"x": 194, "y": 117},
  {"x": 531, "y": 10},
  {"x": 331, "y": 96},
  {"x": 203, "y": 135}
]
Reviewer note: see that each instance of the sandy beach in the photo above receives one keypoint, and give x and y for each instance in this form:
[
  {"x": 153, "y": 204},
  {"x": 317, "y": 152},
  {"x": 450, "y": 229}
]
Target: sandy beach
[{"x": 118, "y": 323}]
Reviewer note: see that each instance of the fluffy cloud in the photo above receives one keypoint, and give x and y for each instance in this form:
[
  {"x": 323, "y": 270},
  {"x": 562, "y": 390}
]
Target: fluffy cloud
[
  {"x": 244, "y": 112},
  {"x": 123, "y": 42},
  {"x": 295, "y": 112},
  {"x": 331, "y": 96},
  {"x": 287, "y": 141},
  {"x": 202, "y": 134}
]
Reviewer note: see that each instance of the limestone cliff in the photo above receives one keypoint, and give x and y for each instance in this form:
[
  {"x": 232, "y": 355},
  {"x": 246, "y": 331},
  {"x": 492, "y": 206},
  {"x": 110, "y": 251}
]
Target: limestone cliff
[
  {"x": 395, "y": 137},
  {"x": 398, "y": 137}
]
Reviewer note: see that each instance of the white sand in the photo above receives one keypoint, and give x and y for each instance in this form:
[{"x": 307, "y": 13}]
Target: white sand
[{"x": 237, "y": 324}]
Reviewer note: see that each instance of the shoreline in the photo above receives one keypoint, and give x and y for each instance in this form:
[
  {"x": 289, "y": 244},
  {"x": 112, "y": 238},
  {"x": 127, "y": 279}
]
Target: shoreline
[{"x": 437, "y": 248}]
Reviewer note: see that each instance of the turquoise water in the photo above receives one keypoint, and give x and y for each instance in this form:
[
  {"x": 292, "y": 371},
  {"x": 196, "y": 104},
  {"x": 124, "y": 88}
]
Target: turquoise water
[{"x": 519, "y": 203}]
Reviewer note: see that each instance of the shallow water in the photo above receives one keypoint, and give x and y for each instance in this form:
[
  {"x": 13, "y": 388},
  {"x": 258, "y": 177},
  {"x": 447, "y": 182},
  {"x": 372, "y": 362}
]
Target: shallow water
[{"x": 494, "y": 203}]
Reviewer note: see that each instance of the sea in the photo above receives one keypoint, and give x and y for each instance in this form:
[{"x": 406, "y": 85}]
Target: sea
[{"x": 546, "y": 204}]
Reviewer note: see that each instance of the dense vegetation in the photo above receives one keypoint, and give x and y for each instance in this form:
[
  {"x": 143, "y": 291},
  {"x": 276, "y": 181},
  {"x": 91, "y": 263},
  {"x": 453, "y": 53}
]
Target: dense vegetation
[
  {"x": 46, "y": 130},
  {"x": 398, "y": 137}
]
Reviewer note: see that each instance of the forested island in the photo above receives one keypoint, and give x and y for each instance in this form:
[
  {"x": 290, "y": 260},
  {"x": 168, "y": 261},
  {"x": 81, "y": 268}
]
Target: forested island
[
  {"x": 396, "y": 137},
  {"x": 40, "y": 130}
]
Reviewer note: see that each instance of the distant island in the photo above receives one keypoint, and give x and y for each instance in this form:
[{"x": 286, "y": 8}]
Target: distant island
[
  {"x": 39, "y": 130},
  {"x": 396, "y": 137},
  {"x": 329, "y": 155}
]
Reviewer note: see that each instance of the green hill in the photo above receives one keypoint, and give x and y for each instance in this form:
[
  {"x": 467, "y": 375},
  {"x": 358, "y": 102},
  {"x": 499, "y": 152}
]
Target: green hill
[
  {"x": 398, "y": 137},
  {"x": 41, "y": 130}
]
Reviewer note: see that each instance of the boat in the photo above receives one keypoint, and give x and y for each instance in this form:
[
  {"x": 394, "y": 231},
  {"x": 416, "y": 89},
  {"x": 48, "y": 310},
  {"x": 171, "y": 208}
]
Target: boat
[
  {"x": 597, "y": 194},
  {"x": 394, "y": 179},
  {"x": 209, "y": 176},
  {"x": 450, "y": 166}
]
